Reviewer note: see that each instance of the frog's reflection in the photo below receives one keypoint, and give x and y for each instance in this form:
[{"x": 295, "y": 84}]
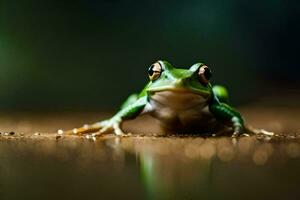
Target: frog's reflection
[
  {"x": 166, "y": 179},
  {"x": 193, "y": 167},
  {"x": 168, "y": 166}
]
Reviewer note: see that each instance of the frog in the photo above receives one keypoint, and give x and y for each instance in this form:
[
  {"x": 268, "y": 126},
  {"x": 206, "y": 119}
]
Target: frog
[{"x": 182, "y": 100}]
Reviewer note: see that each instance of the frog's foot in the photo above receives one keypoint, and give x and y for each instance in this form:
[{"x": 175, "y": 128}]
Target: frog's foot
[
  {"x": 250, "y": 131},
  {"x": 258, "y": 132},
  {"x": 110, "y": 126},
  {"x": 96, "y": 129},
  {"x": 238, "y": 131},
  {"x": 82, "y": 130}
]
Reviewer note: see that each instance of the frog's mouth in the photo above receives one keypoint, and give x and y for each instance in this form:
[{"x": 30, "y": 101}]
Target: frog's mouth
[
  {"x": 179, "y": 99},
  {"x": 202, "y": 93}
]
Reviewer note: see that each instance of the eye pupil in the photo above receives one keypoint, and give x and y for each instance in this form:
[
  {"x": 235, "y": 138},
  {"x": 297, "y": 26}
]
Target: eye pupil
[
  {"x": 207, "y": 73},
  {"x": 150, "y": 70},
  {"x": 154, "y": 71},
  {"x": 204, "y": 74}
]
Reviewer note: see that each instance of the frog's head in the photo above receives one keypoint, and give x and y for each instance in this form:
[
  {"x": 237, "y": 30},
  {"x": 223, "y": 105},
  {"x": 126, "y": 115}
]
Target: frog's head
[{"x": 195, "y": 80}]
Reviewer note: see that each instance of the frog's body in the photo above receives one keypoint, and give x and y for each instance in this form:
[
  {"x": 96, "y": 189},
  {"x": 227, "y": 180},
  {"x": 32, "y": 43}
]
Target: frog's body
[
  {"x": 182, "y": 100},
  {"x": 181, "y": 112}
]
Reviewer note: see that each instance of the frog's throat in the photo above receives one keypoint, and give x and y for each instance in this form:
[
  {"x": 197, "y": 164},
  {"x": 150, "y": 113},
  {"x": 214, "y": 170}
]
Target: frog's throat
[{"x": 178, "y": 89}]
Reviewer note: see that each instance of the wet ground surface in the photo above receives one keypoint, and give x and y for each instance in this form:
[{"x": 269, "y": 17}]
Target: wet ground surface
[{"x": 36, "y": 163}]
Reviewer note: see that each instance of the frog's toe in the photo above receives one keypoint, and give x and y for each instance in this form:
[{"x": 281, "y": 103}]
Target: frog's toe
[
  {"x": 109, "y": 128},
  {"x": 118, "y": 130},
  {"x": 106, "y": 129},
  {"x": 235, "y": 134},
  {"x": 84, "y": 129},
  {"x": 75, "y": 131},
  {"x": 238, "y": 131},
  {"x": 112, "y": 127},
  {"x": 241, "y": 133}
]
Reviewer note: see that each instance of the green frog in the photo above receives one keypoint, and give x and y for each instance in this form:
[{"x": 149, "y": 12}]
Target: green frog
[{"x": 182, "y": 100}]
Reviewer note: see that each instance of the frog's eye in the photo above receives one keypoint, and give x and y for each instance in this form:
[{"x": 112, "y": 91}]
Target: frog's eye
[
  {"x": 154, "y": 71},
  {"x": 204, "y": 74}
]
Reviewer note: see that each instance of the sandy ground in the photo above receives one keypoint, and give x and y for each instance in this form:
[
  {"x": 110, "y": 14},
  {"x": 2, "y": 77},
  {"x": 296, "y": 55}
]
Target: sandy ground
[{"x": 35, "y": 162}]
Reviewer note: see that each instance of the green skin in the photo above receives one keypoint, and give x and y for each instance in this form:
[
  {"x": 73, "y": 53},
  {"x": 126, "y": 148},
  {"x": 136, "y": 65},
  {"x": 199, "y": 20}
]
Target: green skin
[{"x": 180, "y": 102}]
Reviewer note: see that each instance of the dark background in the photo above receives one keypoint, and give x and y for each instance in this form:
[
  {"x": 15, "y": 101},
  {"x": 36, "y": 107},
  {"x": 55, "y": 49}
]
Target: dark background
[{"x": 90, "y": 55}]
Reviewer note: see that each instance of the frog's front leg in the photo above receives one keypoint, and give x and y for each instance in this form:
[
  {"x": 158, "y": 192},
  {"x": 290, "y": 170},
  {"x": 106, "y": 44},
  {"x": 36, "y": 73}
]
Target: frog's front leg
[
  {"x": 224, "y": 112},
  {"x": 128, "y": 111}
]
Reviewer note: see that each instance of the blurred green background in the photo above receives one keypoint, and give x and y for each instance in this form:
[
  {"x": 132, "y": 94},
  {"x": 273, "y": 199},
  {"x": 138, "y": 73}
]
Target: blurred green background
[{"x": 90, "y": 55}]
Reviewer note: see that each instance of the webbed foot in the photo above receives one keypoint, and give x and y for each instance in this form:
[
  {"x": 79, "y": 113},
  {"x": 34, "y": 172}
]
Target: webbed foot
[
  {"x": 97, "y": 129},
  {"x": 249, "y": 130},
  {"x": 262, "y": 132}
]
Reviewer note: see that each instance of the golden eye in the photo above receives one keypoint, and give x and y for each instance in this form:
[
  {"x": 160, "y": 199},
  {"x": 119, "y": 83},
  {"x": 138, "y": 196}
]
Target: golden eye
[
  {"x": 204, "y": 74},
  {"x": 154, "y": 71}
]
